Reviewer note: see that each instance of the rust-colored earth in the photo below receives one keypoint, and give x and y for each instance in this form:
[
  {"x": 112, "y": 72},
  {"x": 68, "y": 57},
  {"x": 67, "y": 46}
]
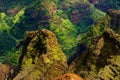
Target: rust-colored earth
[
  {"x": 69, "y": 76},
  {"x": 4, "y": 70}
]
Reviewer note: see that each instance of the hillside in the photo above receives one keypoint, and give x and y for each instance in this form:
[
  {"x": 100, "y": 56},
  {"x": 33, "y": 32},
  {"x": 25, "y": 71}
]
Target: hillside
[
  {"x": 63, "y": 18},
  {"x": 52, "y": 39},
  {"x": 101, "y": 59}
]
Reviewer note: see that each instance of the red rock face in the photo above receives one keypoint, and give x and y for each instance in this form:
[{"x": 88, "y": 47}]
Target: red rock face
[
  {"x": 4, "y": 70},
  {"x": 2, "y": 76},
  {"x": 69, "y": 77}
]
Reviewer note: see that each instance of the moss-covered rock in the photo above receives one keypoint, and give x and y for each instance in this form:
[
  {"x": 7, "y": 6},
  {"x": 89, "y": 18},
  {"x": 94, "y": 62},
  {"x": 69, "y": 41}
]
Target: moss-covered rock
[
  {"x": 101, "y": 60},
  {"x": 42, "y": 57}
]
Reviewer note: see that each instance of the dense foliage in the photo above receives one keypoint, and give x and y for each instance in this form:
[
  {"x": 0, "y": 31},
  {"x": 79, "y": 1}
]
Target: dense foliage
[{"x": 68, "y": 19}]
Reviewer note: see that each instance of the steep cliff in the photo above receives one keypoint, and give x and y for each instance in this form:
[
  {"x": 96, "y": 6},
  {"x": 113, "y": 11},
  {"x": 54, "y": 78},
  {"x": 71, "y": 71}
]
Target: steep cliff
[
  {"x": 71, "y": 21},
  {"x": 41, "y": 58},
  {"x": 65, "y": 18},
  {"x": 101, "y": 60}
]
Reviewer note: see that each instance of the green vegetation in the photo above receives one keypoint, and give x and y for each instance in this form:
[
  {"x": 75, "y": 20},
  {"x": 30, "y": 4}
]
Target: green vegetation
[
  {"x": 7, "y": 40},
  {"x": 18, "y": 17},
  {"x": 66, "y": 34},
  {"x": 3, "y": 24},
  {"x": 96, "y": 30},
  {"x": 49, "y": 62},
  {"x": 95, "y": 13},
  {"x": 10, "y": 57}
]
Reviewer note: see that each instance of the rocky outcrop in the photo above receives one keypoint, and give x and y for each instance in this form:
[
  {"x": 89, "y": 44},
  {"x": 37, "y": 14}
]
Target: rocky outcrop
[
  {"x": 69, "y": 76},
  {"x": 41, "y": 58},
  {"x": 101, "y": 60}
]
